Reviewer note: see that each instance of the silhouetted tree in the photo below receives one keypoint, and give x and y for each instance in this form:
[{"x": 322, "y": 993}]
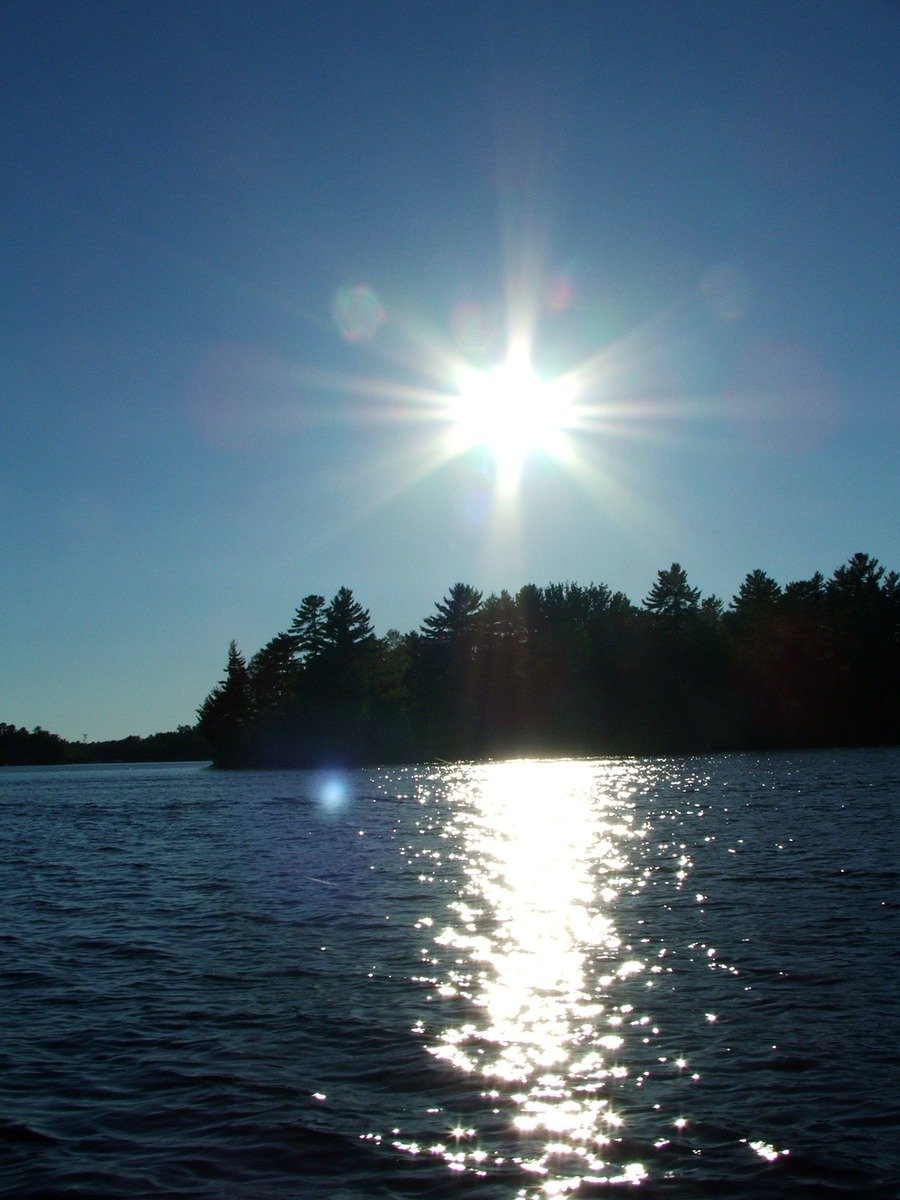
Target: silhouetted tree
[
  {"x": 455, "y": 614},
  {"x": 755, "y": 624},
  {"x": 496, "y": 675},
  {"x": 442, "y": 673},
  {"x": 19, "y": 747},
  {"x": 308, "y": 627},
  {"x": 671, "y": 596},
  {"x": 679, "y": 670},
  {"x": 757, "y": 596},
  {"x": 347, "y": 635},
  {"x": 339, "y": 684},
  {"x": 273, "y": 674},
  {"x": 711, "y": 609},
  {"x": 391, "y": 725},
  {"x": 857, "y": 581},
  {"x": 861, "y": 615},
  {"x": 571, "y": 669},
  {"x": 805, "y": 596},
  {"x": 224, "y": 716}
]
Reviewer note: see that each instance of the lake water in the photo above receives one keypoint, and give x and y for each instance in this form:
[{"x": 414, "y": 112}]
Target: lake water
[{"x": 668, "y": 977}]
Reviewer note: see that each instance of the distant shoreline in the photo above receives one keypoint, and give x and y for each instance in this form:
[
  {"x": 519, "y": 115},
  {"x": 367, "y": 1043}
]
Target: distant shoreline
[
  {"x": 81, "y": 759},
  {"x": 38, "y": 747}
]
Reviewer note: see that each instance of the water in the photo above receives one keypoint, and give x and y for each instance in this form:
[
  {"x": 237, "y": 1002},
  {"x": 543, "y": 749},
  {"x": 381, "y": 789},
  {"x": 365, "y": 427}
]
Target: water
[{"x": 504, "y": 982}]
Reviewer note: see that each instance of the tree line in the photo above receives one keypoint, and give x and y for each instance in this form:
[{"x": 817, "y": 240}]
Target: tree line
[
  {"x": 571, "y": 669},
  {"x": 38, "y": 747}
]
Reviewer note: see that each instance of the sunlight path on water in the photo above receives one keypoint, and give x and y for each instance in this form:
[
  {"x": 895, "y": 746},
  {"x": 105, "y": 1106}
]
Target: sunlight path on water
[{"x": 544, "y": 850}]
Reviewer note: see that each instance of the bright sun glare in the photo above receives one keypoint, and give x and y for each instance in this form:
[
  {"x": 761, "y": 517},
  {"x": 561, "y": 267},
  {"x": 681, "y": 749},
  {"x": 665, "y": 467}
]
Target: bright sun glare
[{"x": 513, "y": 412}]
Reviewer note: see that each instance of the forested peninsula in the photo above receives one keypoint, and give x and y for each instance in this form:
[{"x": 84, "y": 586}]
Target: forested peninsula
[
  {"x": 571, "y": 669},
  {"x": 565, "y": 669}
]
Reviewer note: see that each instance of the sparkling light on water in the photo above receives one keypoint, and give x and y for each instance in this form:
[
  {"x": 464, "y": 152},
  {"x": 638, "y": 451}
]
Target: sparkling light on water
[
  {"x": 450, "y": 977},
  {"x": 555, "y": 970},
  {"x": 544, "y": 854}
]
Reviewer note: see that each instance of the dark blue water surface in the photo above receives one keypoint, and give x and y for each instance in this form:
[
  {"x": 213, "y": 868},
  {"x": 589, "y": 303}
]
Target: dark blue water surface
[{"x": 676, "y": 977}]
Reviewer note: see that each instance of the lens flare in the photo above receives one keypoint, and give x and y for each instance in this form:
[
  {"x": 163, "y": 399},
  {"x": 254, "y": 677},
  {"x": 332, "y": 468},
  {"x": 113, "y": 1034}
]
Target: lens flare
[
  {"x": 560, "y": 292},
  {"x": 358, "y": 313},
  {"x": 573, "y": 387},
  {"x": 513, "y": 412},
  {"x": 332, "y": 792}
]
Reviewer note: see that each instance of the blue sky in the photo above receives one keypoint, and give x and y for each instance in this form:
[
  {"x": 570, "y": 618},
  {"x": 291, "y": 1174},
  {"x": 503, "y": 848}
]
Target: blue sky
[{"x": 687, "y": 211}]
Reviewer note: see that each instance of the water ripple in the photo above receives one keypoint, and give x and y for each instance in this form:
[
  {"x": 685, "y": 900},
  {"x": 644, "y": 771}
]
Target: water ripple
[{"x": 517, "y": 980}]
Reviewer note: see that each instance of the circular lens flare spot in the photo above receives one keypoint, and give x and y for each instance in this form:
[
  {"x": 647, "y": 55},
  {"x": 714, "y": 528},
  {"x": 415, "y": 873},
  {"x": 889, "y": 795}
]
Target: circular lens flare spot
[
  {"x": 560, "y": 292},
  {"x": 358, "y": 313},
  {"x": 332, "y": 793}
]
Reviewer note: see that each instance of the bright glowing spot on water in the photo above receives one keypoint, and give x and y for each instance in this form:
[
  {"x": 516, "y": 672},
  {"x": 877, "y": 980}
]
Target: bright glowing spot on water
[
  {"x": 634, "y": 1173},
  {"x": 767, "y": 1151},
  {"x": 332, "y": 793}
]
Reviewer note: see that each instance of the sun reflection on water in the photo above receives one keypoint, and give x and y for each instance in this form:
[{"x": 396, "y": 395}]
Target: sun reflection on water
[{"x": 532, "y": 956}]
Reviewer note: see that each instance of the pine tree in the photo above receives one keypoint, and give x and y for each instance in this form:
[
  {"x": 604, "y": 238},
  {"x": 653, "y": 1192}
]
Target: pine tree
[
  {"x": 272, "y": 673},
  {"x": 347, "y": 631},
  {"x": 307, "y": 628},
  {"x": 671, "y": 596},
  {"x": 757, "y": 596},
  {"x": 454, "y": 615},
  {"x": 805, "y": 596},
  {"x": 224, "y": 716}
]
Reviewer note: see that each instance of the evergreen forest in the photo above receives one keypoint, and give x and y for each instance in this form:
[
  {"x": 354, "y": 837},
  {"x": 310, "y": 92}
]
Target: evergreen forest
[
  {"x": 570, "y": 669},
  {"x": 39, "y": 748}
]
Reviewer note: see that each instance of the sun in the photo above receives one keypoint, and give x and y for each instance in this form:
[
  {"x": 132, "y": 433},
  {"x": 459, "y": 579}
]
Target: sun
[{"x": 512, "y": 412}]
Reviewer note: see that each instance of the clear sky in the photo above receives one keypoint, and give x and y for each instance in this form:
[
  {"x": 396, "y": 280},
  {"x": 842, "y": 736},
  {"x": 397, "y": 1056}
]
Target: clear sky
[{"x": 254, "y": 252}]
